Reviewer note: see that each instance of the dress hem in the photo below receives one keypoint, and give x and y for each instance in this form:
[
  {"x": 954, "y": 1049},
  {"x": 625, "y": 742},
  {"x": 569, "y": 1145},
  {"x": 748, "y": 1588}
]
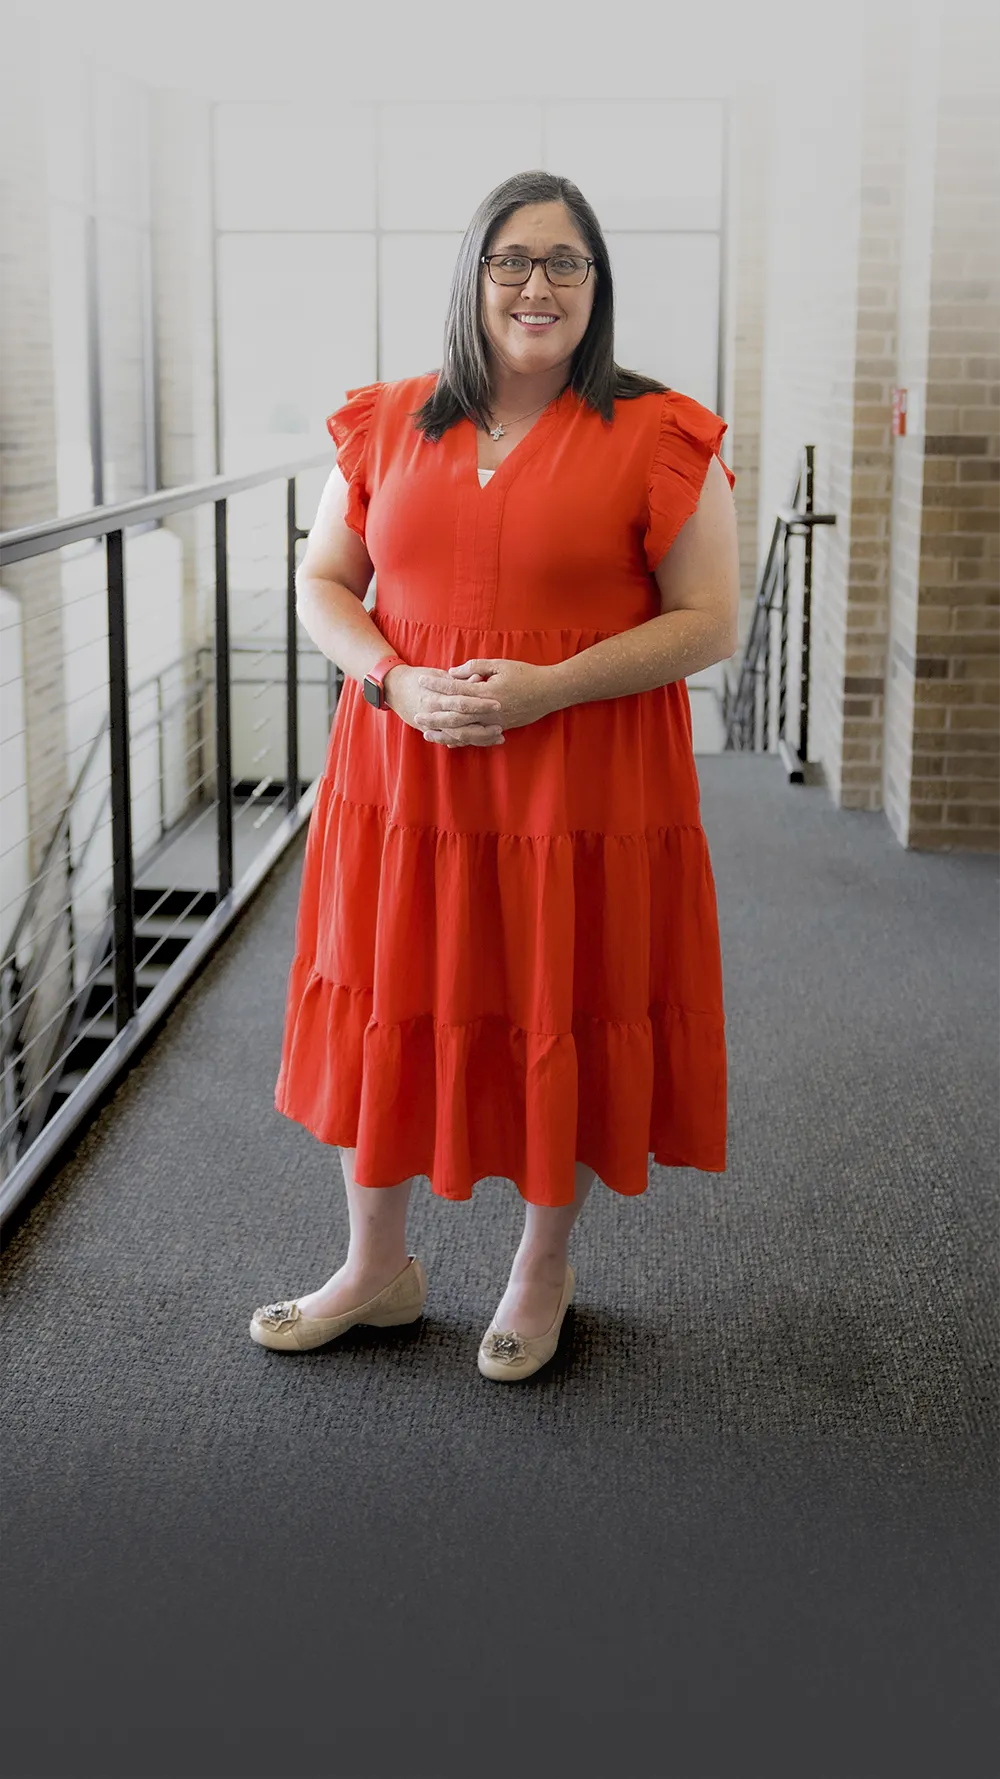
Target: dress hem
[
  {"x": 335, "y": 1142},
  {"x": 460, "y": 1100}
]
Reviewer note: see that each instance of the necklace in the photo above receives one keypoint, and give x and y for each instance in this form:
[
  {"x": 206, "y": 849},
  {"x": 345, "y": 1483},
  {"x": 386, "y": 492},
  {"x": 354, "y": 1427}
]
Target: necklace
[{"x": 498, "y": 431}]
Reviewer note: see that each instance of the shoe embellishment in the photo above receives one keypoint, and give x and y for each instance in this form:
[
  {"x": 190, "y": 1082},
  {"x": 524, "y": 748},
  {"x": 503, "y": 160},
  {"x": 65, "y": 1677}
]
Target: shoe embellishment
[
  {"x": 508, "y": 1347},
  {"x": 279, "y": 1315}
]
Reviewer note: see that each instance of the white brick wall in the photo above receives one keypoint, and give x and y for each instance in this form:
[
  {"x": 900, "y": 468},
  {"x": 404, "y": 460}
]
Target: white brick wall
[{"x": 34, "y": 762}]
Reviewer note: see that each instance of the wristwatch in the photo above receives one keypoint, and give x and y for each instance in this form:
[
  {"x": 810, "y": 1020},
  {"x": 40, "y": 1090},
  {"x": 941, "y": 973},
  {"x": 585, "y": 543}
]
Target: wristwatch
[{"x": 373, "y": 684}]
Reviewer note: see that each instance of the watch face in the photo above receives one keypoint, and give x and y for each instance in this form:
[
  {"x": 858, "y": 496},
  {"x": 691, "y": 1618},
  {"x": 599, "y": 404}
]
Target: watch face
[{"x": 372, "y": 691}]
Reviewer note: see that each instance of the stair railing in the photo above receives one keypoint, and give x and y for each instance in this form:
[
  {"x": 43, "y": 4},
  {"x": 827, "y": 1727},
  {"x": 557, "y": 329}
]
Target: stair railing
[
  {"x": 20, "y": 981},
  {"x": 746, "y": 708},
  {"x": 25, "y": 1162}
]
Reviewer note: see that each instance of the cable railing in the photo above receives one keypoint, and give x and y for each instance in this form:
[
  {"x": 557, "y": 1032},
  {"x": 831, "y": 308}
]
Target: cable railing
[
  {"x": 747, "y": 707},
  {"x": 158, "y": 842}
]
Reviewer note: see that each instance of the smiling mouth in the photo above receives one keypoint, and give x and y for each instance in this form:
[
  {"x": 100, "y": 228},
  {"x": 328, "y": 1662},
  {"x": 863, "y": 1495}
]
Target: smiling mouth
[{"x": 538, "y": 322}]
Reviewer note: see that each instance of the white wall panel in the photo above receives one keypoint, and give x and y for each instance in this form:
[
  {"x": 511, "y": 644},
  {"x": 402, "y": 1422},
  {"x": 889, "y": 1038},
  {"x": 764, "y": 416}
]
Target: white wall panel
[
  {"x": 667, "y": 308},
  {"x": 438, "y": 161},
  {"x": 285, "y": 167},
  {"x": 642, "y": 164},
  {"x": 414, "y": 282},
  {"x": 297, "y": 330}
]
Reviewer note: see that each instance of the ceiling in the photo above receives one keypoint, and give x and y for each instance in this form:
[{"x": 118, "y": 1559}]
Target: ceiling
[{"x": 325, "y": 50}]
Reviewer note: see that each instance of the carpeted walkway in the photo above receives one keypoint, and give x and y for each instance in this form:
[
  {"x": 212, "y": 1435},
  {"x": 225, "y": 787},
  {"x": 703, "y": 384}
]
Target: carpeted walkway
[{"x": 743, "y": 1525}]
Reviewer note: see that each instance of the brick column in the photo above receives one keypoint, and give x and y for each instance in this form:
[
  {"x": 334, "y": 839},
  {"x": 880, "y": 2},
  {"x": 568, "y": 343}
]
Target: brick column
[{"x": 942, "y": 720}]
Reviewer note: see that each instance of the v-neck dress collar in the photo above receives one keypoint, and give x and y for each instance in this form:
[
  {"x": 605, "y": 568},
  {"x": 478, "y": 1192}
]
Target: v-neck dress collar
[
  {"x": 524, "y": 450},
  {"x": 479, "y": 507}
]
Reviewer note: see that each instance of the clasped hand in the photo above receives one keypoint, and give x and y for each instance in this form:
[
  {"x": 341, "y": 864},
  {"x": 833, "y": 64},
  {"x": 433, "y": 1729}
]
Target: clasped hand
[{"x": 471, "y": 705}]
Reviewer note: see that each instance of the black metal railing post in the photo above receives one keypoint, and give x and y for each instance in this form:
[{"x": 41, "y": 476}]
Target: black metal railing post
[
  {"x": 783, "y": 653},
  {"x": 121, "y": 785},
  {"x": 12, "y": 1097},
  {"x": 766, "y": 676},
  {"x": 199, "y": 724},
  {"x": 783, "y": 609},
  {"x": 161, "y": 770},
  {"x": 803, "y": 736},
  {"x": 292, "y": 534},
  {"x": 223, "y": 710},
  {"x": 70, "y": 913}
]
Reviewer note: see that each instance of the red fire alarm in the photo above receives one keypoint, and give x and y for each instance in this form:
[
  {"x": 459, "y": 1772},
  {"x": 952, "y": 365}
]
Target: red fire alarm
[{"x": 898, "y": 413}]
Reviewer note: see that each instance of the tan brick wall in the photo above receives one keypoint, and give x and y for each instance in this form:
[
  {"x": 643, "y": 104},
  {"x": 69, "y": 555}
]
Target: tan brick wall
[
  {"x": 942, "y": 769},
  {"x": 919, "y": 134},
  {"x": 861, "y": 691},
  {"x": 882, "y": 269}
]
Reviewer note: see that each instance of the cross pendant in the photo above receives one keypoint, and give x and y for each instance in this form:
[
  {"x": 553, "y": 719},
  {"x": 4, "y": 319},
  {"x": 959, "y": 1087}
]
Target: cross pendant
[{"x": 498, "y": 434}]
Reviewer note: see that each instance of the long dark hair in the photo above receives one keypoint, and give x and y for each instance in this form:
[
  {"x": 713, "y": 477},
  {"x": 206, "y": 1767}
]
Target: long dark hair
[{"x": 463, "y": 383}]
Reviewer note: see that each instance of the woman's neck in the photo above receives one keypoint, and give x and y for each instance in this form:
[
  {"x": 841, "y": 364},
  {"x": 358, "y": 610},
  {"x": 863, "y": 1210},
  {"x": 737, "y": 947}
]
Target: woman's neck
[{"x": 514, "y": 394}]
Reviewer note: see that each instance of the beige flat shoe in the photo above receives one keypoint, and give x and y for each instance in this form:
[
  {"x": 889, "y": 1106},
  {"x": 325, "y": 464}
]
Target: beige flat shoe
[
  {"x": 284, "y": 1327},
  {"x": 507, "y": 1356}
]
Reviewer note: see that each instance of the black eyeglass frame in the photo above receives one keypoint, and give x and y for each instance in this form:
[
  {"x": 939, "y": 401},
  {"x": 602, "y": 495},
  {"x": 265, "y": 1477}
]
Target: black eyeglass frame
[{"x": 485, "y": 258}]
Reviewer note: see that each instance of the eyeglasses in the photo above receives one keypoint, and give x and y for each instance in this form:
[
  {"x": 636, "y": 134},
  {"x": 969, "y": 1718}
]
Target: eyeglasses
[{"x": 516, "y": 268}]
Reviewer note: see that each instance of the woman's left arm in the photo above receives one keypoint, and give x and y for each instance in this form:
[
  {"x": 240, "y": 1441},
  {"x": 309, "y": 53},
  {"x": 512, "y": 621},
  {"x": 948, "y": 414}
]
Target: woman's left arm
[{"x": 699, "y": 587}]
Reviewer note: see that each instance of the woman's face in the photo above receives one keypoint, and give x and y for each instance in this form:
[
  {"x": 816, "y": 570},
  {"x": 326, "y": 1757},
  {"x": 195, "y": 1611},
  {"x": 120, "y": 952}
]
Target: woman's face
[{"x": 530, "y": 348}]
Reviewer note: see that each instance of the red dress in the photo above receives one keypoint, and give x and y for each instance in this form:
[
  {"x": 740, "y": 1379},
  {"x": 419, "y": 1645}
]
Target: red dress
[{"x": 507, "y": 959}]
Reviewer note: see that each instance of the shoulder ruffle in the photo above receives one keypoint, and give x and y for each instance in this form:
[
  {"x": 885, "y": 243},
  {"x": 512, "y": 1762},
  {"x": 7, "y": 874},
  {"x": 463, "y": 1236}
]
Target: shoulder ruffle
[
  {"x": 690, "y": 436},
  {"x": 349, "y": 427}
]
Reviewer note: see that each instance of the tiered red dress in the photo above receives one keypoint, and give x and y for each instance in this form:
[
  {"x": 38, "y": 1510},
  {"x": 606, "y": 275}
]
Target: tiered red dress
[{"x": 508, "y": 958}]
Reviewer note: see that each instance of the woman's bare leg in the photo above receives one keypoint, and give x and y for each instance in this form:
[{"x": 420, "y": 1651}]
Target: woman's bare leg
[
  {"x": 377, "y": 1249},
  {"x": 531, "y": 1299}
]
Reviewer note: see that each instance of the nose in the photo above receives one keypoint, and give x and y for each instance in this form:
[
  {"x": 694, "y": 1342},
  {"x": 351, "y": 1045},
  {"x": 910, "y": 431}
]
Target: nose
[{"x": 537, "y": 284}]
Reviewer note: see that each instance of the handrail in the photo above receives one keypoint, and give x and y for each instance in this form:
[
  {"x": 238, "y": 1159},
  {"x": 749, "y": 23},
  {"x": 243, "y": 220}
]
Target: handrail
[
  {"x": 54, "y": 534},
  {"x": 739, "y": 705}
]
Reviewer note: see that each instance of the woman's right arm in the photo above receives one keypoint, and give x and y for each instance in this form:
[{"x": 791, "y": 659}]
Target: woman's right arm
[{"x": 331, "y": 581}]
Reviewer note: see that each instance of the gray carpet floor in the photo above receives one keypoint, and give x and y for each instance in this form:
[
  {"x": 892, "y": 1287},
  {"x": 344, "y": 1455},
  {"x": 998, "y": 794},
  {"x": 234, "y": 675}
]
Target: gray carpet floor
[{"x": 744, "y": 1524}]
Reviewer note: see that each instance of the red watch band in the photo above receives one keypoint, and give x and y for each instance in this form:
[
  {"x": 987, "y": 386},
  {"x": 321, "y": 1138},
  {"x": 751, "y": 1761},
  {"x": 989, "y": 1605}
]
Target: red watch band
[{"x": 373, "y": 684}]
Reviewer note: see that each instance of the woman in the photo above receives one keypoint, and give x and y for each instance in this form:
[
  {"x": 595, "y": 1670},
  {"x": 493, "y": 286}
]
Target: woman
[{"x": 507, "y": 956}]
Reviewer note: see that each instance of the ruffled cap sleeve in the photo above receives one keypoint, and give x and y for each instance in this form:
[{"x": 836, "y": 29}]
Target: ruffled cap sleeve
[
  {"x": 349, "y": 428},
  {"x": 690, "y": 436}
]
